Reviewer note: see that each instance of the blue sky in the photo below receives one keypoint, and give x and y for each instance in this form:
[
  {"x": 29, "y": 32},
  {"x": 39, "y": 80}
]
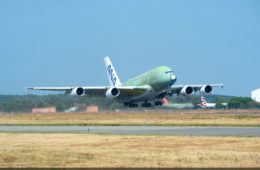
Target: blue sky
[{"x": 63, "y": 43}]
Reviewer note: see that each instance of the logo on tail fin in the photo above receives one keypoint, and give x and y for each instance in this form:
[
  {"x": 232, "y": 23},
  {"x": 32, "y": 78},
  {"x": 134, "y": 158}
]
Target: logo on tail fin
[
  {"x": 111, "y": 75},
  {"x": 203, "y": 102},
  {"x": 111, "y": 72},
  {"x": 164, "y": 101}
]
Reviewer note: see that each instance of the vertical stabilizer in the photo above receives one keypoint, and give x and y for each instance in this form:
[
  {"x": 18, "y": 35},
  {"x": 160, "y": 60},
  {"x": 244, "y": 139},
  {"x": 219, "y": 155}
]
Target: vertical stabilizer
[
  {"x": 164, "y": 101},
  {"x": 203, "y": 102},
  {"x": 111, "y": 72}
]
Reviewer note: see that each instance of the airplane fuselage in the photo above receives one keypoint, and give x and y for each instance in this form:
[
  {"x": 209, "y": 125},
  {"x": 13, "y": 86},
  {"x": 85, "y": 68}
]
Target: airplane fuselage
[
  {"x": 210, "y": 105},
  {"x": 158, "y": 79}
]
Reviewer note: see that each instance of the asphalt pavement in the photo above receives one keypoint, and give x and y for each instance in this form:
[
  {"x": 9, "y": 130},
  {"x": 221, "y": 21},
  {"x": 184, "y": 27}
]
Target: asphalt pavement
[{"x": 139, "y": 130}]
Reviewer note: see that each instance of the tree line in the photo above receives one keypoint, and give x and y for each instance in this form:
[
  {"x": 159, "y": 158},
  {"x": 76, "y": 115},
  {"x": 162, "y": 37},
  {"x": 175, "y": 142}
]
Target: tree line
[{"x": 24, "y": 103}]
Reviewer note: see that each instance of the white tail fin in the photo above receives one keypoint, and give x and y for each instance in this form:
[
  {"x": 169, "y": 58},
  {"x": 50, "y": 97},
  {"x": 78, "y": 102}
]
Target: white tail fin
[
  {"x": 111, "y": 72},
  {"x": 164, "y": 101},
  {"x": 203, "y": 102}
]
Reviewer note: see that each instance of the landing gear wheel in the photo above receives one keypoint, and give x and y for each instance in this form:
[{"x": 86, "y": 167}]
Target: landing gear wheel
[
  {"x": 146, "y": 105},
  {"x": 157, "y": 103},
  {"x": 133, "y": 105}
]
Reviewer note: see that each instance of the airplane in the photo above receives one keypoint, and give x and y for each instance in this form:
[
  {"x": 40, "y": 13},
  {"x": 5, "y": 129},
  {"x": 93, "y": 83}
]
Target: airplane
[
  {"x": 204, "y": 104},
  {"x": 166, "y": 104},
  {"x": 152, "y": 85}
]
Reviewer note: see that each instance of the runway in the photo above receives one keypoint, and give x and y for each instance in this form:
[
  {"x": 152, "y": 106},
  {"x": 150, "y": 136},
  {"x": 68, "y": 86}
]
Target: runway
[{"x": 139, "y": 130}]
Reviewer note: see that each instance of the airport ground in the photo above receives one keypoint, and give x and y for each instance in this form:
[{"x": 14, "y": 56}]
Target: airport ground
[
  {"x": 130, "y": 150},
  {"x": 139, "y": 118},
  {"x": 91, "y": 150}
]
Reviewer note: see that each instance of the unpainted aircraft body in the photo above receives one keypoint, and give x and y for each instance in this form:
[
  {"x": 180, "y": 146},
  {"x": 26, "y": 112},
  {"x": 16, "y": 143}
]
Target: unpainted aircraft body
[{"x": 153, "y": 85}]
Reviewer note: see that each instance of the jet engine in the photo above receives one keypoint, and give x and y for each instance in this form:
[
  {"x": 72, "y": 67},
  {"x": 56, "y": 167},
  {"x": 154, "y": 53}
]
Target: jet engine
[
  {"x": 187, "y": 90},
  {"x": 206, "y": 89},
  {"x": 78, "y": 91},
  {"x": 113, "y": 92}
]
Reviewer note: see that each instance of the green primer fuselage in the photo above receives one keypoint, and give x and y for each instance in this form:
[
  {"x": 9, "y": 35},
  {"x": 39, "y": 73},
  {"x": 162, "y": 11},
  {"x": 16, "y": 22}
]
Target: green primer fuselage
[{"x": 158, "y": 78}]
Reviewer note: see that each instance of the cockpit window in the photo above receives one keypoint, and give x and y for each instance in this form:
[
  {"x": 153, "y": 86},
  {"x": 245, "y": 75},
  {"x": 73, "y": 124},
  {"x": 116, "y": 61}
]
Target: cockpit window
[{"x": 169, "y": 72}]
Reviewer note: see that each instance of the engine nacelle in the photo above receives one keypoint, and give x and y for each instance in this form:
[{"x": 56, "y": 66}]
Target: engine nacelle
[
  {"x": 187, "y": 90},
  {"x": 206, "y": 89},
  {"x": 112, "y": 92},
  {"x": 78, "y": 91}
]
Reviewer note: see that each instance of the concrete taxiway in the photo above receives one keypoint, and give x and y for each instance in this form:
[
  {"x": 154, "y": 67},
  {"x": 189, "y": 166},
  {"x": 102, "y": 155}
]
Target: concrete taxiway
[{"x": 140, "y": 130}]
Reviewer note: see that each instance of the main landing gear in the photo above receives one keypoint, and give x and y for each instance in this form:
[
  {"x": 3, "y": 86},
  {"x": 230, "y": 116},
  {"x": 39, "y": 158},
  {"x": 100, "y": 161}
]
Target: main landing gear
[
  {"x": 157, "y": 103},
  {"x": 146, "y": 104},
  {"x": 130, "y": 105}
]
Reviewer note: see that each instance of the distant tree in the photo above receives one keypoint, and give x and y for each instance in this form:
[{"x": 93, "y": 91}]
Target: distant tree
[
  {"x": 24, "y": 103},
  {"x": 242, "y": 103}
]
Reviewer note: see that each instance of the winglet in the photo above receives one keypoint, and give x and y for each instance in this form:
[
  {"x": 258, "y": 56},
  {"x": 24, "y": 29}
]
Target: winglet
[{"x": 111, "y": 72}]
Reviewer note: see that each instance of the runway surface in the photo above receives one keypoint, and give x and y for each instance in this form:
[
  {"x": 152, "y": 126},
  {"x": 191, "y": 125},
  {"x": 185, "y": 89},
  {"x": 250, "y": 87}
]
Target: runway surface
[{"x": 141, "y": 130}]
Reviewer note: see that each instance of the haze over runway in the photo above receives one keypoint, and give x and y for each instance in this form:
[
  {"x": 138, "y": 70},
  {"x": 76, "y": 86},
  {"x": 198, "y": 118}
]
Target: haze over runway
[{"x": 139, "y": 130}]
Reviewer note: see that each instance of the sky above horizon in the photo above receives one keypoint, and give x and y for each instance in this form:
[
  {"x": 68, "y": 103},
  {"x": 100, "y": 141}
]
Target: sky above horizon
[{"x": 64, "y": 42}]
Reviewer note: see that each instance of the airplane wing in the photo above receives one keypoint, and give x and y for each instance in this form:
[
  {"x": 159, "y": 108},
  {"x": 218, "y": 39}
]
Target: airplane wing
[
  {"x": 196, "y": 87},
  {"x": 125, "y": 91},
  {"x": 51, "y": 88},
  {"x": 189, "y": 89}
]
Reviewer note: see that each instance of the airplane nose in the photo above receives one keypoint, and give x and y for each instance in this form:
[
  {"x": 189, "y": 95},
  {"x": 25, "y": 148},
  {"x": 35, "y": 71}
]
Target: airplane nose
[{"x": 173, "y": 77}]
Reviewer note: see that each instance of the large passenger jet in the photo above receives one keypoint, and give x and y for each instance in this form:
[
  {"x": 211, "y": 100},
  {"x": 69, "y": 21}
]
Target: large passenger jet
[
  {"x": 204, "y": 104},
  {"x": 151, "y": 86}
]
